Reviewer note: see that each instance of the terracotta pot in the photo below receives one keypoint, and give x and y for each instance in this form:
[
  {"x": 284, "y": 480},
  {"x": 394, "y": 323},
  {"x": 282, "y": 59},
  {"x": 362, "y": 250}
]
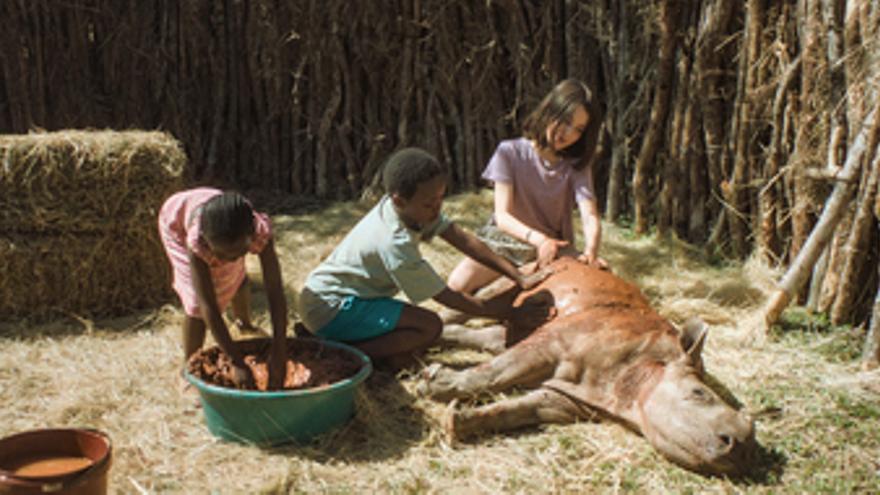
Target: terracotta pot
[{"x": 64, "y": 461}]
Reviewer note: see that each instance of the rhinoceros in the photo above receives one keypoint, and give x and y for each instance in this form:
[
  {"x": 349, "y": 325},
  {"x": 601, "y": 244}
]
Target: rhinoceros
[{"x": 607, "y": 353}]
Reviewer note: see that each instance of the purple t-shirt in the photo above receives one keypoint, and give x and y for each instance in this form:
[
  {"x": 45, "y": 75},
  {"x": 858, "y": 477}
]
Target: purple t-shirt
[{"x": 543, "y": 198}]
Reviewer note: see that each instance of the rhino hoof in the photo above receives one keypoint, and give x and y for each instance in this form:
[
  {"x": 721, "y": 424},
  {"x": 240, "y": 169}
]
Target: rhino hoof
[
  {"x": 426, "y": 376},
  {"x": 448, "y": 421}
]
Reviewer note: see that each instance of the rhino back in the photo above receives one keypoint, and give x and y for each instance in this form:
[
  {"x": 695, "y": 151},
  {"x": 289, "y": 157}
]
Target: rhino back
[{"x": 601, "y": 318}]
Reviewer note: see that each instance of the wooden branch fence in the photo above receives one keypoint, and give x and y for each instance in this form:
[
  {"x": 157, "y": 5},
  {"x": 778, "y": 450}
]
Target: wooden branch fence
[{"x": 726, "y": 124}]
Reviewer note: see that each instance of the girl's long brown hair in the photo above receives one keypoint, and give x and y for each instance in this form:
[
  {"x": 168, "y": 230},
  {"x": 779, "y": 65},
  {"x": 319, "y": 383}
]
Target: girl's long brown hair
[{"x": 559, "y": 106}]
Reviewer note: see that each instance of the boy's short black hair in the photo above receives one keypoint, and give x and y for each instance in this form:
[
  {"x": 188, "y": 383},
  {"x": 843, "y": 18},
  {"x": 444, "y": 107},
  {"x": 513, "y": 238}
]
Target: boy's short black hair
[
  {"x": 227, "y": 218},
  {"x": 408, "y": 168}
]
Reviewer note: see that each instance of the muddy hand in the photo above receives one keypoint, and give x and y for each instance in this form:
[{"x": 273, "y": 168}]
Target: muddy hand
[{"x": 242, "y": 376}]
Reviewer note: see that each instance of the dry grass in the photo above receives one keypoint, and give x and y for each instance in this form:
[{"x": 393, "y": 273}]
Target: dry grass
[{"x": 819, "y": 427}]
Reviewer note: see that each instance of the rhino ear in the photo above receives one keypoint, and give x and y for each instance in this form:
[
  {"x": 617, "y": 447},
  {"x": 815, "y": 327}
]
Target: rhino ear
[{"x": 692, "y": 337}]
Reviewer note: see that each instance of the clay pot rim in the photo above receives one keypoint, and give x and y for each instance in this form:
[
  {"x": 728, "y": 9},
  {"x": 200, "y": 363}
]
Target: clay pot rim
[
  {"x": 361, "y": 375},
  {"x": 95, "y": 465}
]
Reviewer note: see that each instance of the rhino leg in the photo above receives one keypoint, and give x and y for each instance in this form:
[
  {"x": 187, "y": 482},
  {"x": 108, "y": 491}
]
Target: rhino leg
[
  {"x": 521, "y": 365},
  {"x": 537, "y": 407},
  {"x": 490, "y": 339}
]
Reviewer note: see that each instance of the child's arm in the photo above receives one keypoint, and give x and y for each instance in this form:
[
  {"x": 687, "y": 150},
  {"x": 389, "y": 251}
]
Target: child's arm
[
  {"x": 476, "y": 249},
  {"x": 204, "y": 286},
  {"x": 548, "y": 247},
  {"x": 592, "y": 226},
  {"x": 532, "y": 312},
  {"x": 472, "y": 305},
  {"x": 278, "y": 311}
]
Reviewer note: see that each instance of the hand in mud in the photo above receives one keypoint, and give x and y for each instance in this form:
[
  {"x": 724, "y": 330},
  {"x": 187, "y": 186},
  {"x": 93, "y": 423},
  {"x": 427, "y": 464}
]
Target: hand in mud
[
  {"x": 549, "y": 251},
  {"x": 534, "y": 311},
  {"x": 531, "y": 280},
  {"x": 242, "y": 376},
  {"x": 277, "y": 367},
  {"x": 593, "y": 261}
]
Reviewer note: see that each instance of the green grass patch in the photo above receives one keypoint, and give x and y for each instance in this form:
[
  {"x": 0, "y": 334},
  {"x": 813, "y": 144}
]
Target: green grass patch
[{"x": 836, "y": 344}]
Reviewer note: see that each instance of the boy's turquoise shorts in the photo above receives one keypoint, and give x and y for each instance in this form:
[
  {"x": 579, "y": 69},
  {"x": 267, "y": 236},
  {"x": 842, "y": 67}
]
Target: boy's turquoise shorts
[{"x": 362, "y": 319}]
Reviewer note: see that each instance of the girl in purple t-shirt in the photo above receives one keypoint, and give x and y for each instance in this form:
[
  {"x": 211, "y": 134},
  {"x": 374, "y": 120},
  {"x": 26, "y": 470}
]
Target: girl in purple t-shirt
[{"x": 538, "y": 179}]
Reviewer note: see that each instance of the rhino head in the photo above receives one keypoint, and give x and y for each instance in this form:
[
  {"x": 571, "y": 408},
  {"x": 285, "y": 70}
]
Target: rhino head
[{"x": 687, "y": 421}]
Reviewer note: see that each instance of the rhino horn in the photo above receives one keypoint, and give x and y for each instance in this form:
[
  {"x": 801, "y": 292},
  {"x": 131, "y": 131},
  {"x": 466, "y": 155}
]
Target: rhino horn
[{"x": 692, "y": 336}]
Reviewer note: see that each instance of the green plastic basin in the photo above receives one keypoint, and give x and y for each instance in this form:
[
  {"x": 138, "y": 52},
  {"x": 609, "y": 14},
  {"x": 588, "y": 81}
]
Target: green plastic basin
[{"x": 278, "y": 417}]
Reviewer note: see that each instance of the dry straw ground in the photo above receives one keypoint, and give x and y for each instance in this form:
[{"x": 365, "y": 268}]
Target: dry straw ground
[{"x": 818, "y": 419}]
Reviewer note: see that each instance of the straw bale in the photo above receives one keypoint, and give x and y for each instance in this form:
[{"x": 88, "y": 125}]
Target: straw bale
[
  {"x": 88, "y": 275},
  {"x": 78, "y": 221},
  {"x": 86, "y": 181}
]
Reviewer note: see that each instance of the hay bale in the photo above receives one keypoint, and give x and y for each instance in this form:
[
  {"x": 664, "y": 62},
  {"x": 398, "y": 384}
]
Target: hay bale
[
  {"x": 81, "y": 274},
  {"x": 86, "y": 181},
  {"x": 78, "y": 221}
]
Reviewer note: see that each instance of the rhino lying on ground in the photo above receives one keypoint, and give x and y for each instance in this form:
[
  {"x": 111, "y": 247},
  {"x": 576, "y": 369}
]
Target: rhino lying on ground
[{"x": 607, "y": 354}]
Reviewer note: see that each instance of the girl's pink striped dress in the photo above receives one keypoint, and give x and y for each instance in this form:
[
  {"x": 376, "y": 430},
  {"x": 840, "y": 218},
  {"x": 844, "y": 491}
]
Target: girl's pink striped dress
[{"x": 180, "y": 229}]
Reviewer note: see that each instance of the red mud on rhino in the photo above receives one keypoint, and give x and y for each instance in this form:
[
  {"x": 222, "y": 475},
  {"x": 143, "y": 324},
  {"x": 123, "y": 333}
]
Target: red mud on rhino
[{"x": 310, "y": 364}]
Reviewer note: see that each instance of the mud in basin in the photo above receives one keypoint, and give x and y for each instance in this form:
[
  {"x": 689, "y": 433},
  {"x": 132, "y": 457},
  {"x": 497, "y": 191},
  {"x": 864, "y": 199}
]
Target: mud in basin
[
  {"x": 310, "y": 363},
  {"x": 318, "y": 393}
]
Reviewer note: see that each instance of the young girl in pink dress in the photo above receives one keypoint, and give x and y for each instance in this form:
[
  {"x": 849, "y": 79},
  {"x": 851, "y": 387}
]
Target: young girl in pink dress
[
  {"x": 538, "y": 179},
  {"x": 206, "y": 233}
]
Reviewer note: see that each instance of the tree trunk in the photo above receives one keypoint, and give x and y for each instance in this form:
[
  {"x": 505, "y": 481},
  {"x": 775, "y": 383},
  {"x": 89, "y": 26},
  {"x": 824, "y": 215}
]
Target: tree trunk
[
  {"x": 712, "y": 33},
  {"x": 871, "y": 352},
  {"x": 616, "y": 69},
  {"x": 817, "y": 279},
  {"x": 735, "y": 194},
  {"x": 671, "y": 173},
  {"x": 857, "y": 245},
  {"x": 643, "y": 181},
  {"x": 808, "y": 140},
  {"x": 796, "y": 275},
  {"x": 855, "y": 74},
  {"x": 695, "y": 165},
  {"x": 770, "y": 195}
]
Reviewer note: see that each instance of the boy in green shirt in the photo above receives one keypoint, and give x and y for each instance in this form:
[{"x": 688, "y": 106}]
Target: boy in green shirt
[{"x": 349, "y": 296}]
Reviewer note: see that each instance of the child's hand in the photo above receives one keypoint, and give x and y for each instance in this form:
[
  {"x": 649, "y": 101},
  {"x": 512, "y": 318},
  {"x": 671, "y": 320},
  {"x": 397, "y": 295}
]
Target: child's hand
[
  {"x": 536, "y": 310},
  {"x": 593, "y": 261},
  {"x": 549, "y": 250},
  {"x": 531, "y": 280},
  {"x": 242, "y": 376}
]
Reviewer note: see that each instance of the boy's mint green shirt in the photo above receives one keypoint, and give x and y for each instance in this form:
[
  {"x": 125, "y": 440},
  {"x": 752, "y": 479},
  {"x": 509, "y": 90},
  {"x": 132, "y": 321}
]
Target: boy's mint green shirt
[{"x": 378, "y": 258}]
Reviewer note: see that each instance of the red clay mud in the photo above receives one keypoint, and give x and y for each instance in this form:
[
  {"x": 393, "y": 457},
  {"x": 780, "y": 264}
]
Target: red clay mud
[{"x": 310, "y": 364}]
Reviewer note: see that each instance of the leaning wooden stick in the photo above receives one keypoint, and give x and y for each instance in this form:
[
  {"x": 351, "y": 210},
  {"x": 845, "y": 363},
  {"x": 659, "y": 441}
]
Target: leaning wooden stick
[{"x": 797, "y": 273}]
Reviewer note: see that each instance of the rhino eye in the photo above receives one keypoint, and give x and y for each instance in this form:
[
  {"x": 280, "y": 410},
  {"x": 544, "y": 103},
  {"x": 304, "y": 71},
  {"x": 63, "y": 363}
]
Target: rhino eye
[{"x": 699, "y": 394}]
